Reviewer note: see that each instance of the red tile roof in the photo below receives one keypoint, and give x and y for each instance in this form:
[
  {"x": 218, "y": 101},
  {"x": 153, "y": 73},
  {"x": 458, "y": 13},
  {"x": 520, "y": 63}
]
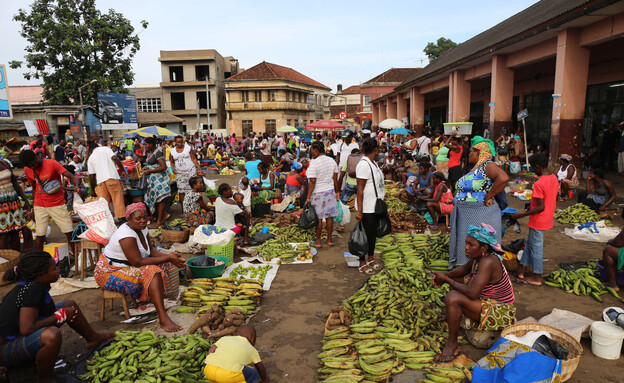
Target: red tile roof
[
  {"x": 353, "y": 89},
  {"x": 269, "y": 71},
  {"x": 397, "y": 75}
]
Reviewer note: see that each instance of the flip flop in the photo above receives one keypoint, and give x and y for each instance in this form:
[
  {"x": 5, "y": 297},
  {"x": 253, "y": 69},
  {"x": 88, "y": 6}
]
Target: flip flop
[
  {"x": 521, "y": 281},
  {"x": 452, "y": 356},
  {"x": 369, "y": 270}
]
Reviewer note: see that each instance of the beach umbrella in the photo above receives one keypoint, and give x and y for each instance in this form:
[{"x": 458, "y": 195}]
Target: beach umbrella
[
  {"x": 391, "y": 123},
  {"x": 287, "y": 129},
  {"x": 151, "y": 131},
  {"x": 402, "y": 131}
]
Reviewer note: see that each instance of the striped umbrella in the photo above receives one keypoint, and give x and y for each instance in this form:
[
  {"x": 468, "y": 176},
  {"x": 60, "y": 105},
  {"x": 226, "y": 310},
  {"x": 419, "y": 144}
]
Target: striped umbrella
[{"x": 151, "y": 131}]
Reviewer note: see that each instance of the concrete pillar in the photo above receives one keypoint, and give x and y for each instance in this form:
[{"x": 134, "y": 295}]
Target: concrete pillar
[
  {"x": 501, "y": 96},
  {"x": 459, "y": 98},
  {"x": 571, "y": 71},
  {"x": 392, "y": 107},
  {"x": 383, "y": 110},
  {"x": 375, "y": 110},
  {"x": 402, "y": 106},
  {"x": 417, "y": 110}
]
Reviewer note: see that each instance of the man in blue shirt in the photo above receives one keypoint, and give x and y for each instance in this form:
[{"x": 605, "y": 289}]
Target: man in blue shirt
[{"x": 59, "y": 152}]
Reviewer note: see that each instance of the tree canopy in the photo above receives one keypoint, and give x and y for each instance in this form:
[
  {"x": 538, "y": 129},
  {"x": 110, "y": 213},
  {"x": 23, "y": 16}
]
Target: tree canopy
[
  {"x": 71, "y": 43},
  {"x": 435, "y": 50}
]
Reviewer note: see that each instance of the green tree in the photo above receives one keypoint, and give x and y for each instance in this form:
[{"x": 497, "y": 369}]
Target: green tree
[
  {"x": 70, "y": 43},
  {"x": 435, "y": 50}
]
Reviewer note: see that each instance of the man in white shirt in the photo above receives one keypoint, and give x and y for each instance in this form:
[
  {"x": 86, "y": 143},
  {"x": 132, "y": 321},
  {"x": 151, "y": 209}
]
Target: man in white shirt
[
  {"x": 335, "y": 147},
  {"x": 346, "y": 147},
  {"x": 423, "y": 143},
  {"x": 102, "y": 165}
]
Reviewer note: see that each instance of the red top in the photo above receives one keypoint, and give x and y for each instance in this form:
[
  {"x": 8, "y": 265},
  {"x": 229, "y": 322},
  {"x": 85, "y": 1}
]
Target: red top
[
  {"x": 292, "y": 180},
  {"x": 454, "y": 158},
  {"x": 49, "y": 170},
  {"x": 545, "y": 188},
  {"x": 44, "y": 145}
]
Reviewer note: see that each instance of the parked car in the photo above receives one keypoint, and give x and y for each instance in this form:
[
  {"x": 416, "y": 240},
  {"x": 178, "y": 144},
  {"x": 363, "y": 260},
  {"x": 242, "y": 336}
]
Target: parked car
[{"x": 109, "y": 111}]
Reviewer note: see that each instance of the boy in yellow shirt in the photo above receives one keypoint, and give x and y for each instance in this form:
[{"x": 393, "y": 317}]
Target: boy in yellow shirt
[{"x": 227, "y": 360}]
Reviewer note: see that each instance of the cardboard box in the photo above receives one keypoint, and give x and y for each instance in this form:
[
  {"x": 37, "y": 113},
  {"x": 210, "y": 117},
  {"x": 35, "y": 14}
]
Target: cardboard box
[{"x": 58, "y": 251}]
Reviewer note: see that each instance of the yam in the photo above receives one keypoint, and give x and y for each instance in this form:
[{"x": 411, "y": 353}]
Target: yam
[
  {"x": 227, "y": 321},
  {"x": 225, "y": 332},
  {"x": 238, "y": 322},
  {"x": 235, "y": 310},
  {"x": 221, "y": 327},
  {"x": 336, "y": 309},
  {"x": 347, "y": 322},
  {"x": 334, "y": 322},
  {"x": 206, "y": 330},
  {"x": 201, "y": 321},
  {"x": 342, "y": 316}
]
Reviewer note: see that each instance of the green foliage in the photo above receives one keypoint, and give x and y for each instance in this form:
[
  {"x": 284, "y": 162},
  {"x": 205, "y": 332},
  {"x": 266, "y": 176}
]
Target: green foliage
[
  {"x": 435, "y": 50},
  {"x": 70, "y": 43}
]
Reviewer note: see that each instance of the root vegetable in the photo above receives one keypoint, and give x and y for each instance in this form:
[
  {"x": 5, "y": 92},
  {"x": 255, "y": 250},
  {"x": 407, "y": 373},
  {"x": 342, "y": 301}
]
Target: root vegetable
[
  {"x": 206, "y": 330},
  {"x": 225, "y": 332},
  {"x": 201, "y": 321},
  {"x": 238, "y": 322},
  {"x": 334, "y": 322}
]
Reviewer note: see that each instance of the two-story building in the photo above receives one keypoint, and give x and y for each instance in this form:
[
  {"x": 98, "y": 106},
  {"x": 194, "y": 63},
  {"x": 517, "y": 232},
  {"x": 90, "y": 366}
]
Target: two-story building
[
  {"x": 268, "y": 96},
  {"x": 192, "y": 84},
  {"x": 346, "y": 100}
]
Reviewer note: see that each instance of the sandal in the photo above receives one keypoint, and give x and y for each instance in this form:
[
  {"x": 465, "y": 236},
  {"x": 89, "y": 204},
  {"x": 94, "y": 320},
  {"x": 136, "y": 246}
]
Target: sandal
[
  {"x": 374, "y": 265},
  {"x": 447, "y": 358},
  {"x": 366, "y": 269}
]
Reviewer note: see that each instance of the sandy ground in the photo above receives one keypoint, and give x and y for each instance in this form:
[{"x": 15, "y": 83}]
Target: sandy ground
[{"x": 290, "y": 321}]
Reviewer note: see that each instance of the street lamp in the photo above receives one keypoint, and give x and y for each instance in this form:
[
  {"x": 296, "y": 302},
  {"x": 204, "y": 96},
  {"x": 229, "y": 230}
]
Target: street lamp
[{"x": 84, "y": 126}]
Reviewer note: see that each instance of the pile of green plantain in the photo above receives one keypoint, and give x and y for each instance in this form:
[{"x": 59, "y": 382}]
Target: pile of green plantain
[
  {"x": 581, "y": 281},
  {"x": 577, "y": 214}
]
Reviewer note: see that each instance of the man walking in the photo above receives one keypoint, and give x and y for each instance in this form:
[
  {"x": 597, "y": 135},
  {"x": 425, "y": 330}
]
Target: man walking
[{"x": 101, "y": 166}]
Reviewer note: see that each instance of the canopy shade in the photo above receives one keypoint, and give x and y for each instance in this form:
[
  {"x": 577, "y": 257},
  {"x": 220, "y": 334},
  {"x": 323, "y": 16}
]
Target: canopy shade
[
  {"x": 391, "y": 123},
  {"x": 402, "y": 131},
  {"x": 151, "y": 131},
  {"x": 287, "y": 129},
  {"x": 324, "y": 125}
]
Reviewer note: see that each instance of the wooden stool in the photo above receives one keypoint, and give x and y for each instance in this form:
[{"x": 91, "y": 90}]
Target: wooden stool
[
  {"x": 87, "y": 249},
  {"x": 447, "y": 218},
  {"x": 110, "y": 295}
]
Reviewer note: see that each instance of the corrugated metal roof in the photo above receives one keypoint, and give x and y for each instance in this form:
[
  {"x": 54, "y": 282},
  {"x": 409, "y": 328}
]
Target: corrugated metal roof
[{"x": 532, "y": 17}]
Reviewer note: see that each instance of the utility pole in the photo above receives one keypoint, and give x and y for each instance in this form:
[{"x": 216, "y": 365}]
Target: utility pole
[{"x": 208, "y": 103}]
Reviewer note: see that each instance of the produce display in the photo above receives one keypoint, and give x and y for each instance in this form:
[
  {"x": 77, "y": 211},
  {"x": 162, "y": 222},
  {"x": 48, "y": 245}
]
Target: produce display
[
  {"x": 211, "y": 193},
  {"x": 254, "y": 272},
  {"x": 338, "y": 317},
  {"x": 577, "y": 214},
  {"x": 294, "y": 234},
  {"x": 227, "y": 172},
  {"x": 395, "y": 205},
  {"x": 240, "y": 163},
  {"x": 135, "y": 356},
  {"x": 273, "y": 228},
  {"x": 225, "y": 292},
  {"x": 266, "y": 194},
  {"x": 176, "y": 225},
  {"x": 278, "y": 248},
  {"x": 580, "y": 281},
  {"x": 273, "y": 249},
  {"x": 431, "y": 250},
  {"x": 407, "y": 222},
  {"x": 279, "y": 219},
  {"x": 215, "y": 323}
]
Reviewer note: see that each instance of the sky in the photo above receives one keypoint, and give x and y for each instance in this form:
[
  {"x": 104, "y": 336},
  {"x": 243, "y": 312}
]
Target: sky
[{"x": 333, "y": 42}]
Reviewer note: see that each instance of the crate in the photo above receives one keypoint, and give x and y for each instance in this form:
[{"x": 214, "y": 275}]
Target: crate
[
  {"x": 225, "y": 250},
  {"x": 461, "y": 128}
]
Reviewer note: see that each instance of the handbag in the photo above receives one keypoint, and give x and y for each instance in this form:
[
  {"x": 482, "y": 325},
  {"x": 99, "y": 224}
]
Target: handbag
[
  {"x": 380, "y": 205},
  {"x": 49, "y": 187}
]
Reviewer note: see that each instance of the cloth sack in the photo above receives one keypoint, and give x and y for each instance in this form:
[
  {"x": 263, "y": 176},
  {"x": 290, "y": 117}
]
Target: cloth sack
[{"x": 98, "y": 218}]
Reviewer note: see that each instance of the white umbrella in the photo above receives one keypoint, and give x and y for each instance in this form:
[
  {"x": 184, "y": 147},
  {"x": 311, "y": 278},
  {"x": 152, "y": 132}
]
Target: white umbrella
[{"x": 391, "y": 123}]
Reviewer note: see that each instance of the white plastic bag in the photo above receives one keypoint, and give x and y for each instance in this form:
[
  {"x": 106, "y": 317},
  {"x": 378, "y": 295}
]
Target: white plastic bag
[
  {"x": 98, "y": 218},
  {"x": 346, "y": 215},
  {"x": 213, "y": 239}
]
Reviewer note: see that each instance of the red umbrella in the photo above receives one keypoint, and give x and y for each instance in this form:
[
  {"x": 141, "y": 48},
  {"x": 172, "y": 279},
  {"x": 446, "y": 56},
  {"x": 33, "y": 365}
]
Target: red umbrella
[{"x": 323, "y": 125}]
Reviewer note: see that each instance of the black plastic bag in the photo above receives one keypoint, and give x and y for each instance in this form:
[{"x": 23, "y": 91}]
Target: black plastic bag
[
  {"x": 358, "y": 242},
  {"x": 203, "y": 261},
  {"x": 308, "y": 219},
  {"x": 546, "y": 346},
  {"x": 64, "y": 267},
  {"x": 384, "y": 226},
  {"x": 516, "y": 246},
  {"x": 258, "y": 238}
]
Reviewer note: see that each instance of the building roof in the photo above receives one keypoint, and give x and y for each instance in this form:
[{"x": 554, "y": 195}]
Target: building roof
[
  {"x": 353, "y": 89},
  {"x": 269, "y": 71},
  {"x": 533, "y": 20},
  {"x": 156, "y": 118},
  {"x": 393, "y": 75},
  {"x": 26, "y": 94}
]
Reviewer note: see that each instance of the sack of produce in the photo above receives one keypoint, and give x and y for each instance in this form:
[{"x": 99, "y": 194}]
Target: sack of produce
[
  {"x": 308, "y": 219},
  {"x": 358, "y": 242},
  {"x": 98, "y": 218}
]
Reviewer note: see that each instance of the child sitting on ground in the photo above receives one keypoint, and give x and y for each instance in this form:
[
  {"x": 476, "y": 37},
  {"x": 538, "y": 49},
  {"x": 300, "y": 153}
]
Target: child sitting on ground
[
  {"x": 241, "y": 219},
  {"x": 227, "y": 359}
]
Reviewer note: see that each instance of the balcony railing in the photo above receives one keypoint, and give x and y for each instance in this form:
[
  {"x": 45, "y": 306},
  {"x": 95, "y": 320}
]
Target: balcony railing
[{"x": 269, "y": 105}]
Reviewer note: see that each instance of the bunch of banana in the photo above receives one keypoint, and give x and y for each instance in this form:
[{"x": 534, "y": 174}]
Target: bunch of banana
[
  {"x": 273, "y": 228},
  {"x": 273, "y": 249},
  {"x": 579, "y": 281},
  {"x": 294, "y": 234},
  {"x": 439, "y": 265},
  {"x": 223, "y": 292},
  {"x": 457, "y": 373},
  {"x": 577, "y": 214},
  {"x": 403, "y": 247},
  {"x": 396, "y": 205},
  {"x": 198, "y": 288},
  {"x": 255, "y": 272}
]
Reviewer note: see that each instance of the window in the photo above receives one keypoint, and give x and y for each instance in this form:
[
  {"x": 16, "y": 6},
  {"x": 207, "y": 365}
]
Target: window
[
  {"x": 258, "y": 95},
  {"x": 149, "y": 105},
  {"x": 177, "y": 101},
  {"x": 298, "y": 97},
  {"x": 287, "y": 95},
  {"x": 269, "y": 126},
  {"x": 367, "y": 98},
  {"x": 288, "y": 122},
  {"x": 202, "y": 72},
  {"x": 176, "y": 74},
  {"x": 272, "y": 95},
  {"x": 201, "y": 96},
  {"x": 245, "y": 96},
  {"x": 247, "y": 127}
]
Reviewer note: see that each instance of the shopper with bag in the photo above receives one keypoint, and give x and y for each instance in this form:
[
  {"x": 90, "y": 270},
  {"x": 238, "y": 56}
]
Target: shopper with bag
[
  {"x": 49, "y": 198},
  {"x": 322, "y": 188},
  {"x": 102, "y": 166},
  {"x": 370, "y": 184}
]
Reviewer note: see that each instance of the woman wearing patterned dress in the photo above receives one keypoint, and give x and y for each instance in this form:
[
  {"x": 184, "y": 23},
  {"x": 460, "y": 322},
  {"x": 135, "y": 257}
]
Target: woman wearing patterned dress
[
  {"x": 158, "y": 188},
  {"x": 474, "y": 198},
  {"x": 184, "y": 165},
  {"x": 13, "y": 214}
]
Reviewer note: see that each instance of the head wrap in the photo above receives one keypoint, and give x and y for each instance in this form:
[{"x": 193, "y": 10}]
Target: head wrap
[
  {"x": 297, "y": 165},
  {"x": 485, "y": 146},
  {"x": 486, "y": 234},
  {"x": 503, "y": 131},
  {"x": 134, "y": 207},
  {"x": 565, "y": 157}
]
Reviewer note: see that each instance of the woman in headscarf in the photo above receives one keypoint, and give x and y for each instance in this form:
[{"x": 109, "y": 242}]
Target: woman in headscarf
[
  {"x": 131, "y": 265},
  {"x": 481, "y": 289},
  {"x": 567, "y": 175},
  {"x": 474, "y": 197}
]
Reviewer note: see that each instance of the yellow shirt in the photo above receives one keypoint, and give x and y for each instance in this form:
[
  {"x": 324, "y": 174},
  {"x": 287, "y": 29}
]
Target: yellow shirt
[
  {"x": 167, "y": 152},
  {"x": 233, "y": 353}
]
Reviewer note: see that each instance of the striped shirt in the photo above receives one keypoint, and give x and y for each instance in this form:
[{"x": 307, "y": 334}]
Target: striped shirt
[
  {"x": 501, "y": 291},
  {"x": 323, "y": 169}
]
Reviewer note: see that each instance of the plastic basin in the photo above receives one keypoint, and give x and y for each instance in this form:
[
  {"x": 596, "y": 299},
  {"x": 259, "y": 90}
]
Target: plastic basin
[
  {"x": 603, "y": 274},
  {"x": 208, "y": 271}
]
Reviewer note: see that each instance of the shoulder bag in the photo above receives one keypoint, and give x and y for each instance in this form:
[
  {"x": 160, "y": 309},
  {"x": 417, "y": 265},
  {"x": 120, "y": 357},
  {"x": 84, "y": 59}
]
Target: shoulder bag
[
  {"x": 380, "y": 205},
  {"x": 49, "y": 187}
]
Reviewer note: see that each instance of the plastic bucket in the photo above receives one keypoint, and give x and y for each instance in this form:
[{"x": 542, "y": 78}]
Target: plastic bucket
[{"x": 606, "y": 340}]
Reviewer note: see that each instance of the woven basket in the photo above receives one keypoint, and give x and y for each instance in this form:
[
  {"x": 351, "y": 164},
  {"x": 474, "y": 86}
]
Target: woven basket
[
  {"x": 563, "y": 338},
  {"x": 13, "y": 258},
  {"x": 175, "y": 236}
]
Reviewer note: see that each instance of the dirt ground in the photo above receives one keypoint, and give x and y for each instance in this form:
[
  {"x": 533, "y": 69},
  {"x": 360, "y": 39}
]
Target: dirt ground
[{"x": 290, "y": 321}]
